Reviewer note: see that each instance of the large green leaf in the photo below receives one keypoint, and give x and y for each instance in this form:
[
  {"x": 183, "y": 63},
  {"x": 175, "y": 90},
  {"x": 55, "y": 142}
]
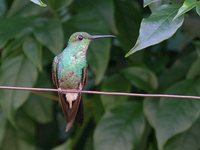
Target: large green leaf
[
  {"x": 187, "y": 140},
  {"x": 107, "y": 12},
  {"x": 3, "y": 123},
  {"x": 20, "y": 138},
  {"x": 103, "y": 9},
  {"x": 23, "y": 8},
  {"x": 50, "y": 34},
  {"x": 127, "y": 20},
  {"x": 98, "y": 57},
  {"x": 60, "y": 4},
  {"x": 121, "y": 128},
  {"x": 95, "y": 106},
  {"x": 175, "y": 116},
  {"x": 150, "y": 110},
  {"x": 158, "y": 27},
  {"x": 198, "y": 8},
  {"x": 42, "y": 111},
  {"x": 148, "y": 2},
  {"x": 13, "y": 142},
  {"x": 177, "y": 71},
  {"x": 3, "y": 7},
  {"x": 194, "y": 70},
  {"x": 141, "y": 78},
  {"x": 64, "y": 146},
  {"x": 13, "y": 48},
  {"x": 33, "y": 51},
  {"x": 89, "y": 143},
  {"x": 16, "y": 71},
  {"x": 39, "y": 2},
  {"x": 42, "y": 101},
  {"x": 25, "y": 127},
  {"x": 8, "y": 32},
  {"x": 115, "y": 83},
  {"x": 197, "y": 47},
  {"x": 187, "y": 6}
]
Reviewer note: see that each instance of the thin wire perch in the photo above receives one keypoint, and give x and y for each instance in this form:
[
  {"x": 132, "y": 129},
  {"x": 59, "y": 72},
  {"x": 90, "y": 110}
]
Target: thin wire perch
[{"x": 101, "y": 92}]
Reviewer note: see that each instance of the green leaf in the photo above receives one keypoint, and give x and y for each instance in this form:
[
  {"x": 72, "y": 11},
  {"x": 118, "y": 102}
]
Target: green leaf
[
  {"x": 39, "y": 2},
  {"x": 127, "y": 20},
  {"x": 89, "y": 143},
  {"x": 187, "y": 6},
  {"x": 148, "y": 2},
  {"x": 33, "y": 51},
  {"x": 197, "y": 47},
  {"x": 115, "y": 83},
  {"x": 107, "y": 12},
  {"x": 3, "y": 123},
  {"x": 157, "y": 28},
  {"x": 102, "y": 9},
  {"x": 142, "y": 78},
  {"x": 14, "y": 142},
  {"x": 8, "y": 32},
  {"x": 122, "y": 128},
  {"x": 98, "y": 57},
  {"x": 23, "y": 8},
  {"x": 175, "y": 116},
  {"x": 12, "y": 48},
  {"x": 60, "y": 4},
  {"x": 64, "y": 146},
  {"x": 50, "y": 34},
  {"x": 177, "y": 71},
  {"x": 187, "y": 140},
  {"x": 16, "y": 71},
  {"x": 198, "y": 8},
  {"x": 25, "y": 127},
  {"x": 21, "y": 137},
  {"x": 150, "y": 110},
  {"x": 98, "y": 109},
  {"x": 42, "y": 111},
  {"x": 3, "y": 7},
  {"x": 194, "y": 69}
]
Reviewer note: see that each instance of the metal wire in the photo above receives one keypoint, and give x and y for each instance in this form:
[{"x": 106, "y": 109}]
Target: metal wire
[{"x": 101, "y": 92}]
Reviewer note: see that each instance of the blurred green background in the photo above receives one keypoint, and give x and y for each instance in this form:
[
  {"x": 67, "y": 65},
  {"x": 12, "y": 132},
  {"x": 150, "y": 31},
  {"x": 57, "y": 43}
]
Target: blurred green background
[{"x": 30, "y": 37}]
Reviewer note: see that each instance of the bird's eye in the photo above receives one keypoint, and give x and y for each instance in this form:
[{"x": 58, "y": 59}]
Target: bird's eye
[{"x": 80, "y": 37}]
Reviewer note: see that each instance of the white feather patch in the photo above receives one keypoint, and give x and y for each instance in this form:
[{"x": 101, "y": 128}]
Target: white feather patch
[{"x": 70, "y": 98}]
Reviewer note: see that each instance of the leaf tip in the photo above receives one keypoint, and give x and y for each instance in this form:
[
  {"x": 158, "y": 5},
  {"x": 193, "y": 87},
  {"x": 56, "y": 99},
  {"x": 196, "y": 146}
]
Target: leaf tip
[
  {"x": 39, "y": 2},
  {"x": 175, "y": 17},
  {"x": 128, "y": 54}
]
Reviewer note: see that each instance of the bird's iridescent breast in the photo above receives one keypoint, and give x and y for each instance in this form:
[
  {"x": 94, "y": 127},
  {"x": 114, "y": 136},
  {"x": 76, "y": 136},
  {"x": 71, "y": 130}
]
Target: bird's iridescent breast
[{"x": 70, "y": 68}]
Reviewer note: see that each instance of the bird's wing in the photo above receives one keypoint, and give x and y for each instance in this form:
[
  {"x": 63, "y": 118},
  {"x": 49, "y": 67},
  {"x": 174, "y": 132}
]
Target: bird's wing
[
  {"x": 85, "y": 76},
  {"x": 62, "y": 100},
  {"x": 54, "y": 71},
  {"x": 76, "y": 113},
  {"x": 80, "y": 113}
]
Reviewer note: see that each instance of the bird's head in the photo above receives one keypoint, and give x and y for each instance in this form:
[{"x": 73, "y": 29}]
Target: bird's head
[{"x": 85, "y": 38}]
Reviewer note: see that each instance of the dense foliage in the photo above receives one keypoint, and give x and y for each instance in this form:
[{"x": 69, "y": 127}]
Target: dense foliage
[{"x": 30, "y": 36}]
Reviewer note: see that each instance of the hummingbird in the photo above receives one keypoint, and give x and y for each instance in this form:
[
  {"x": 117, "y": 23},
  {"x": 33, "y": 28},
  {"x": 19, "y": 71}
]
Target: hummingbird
[{"x": 69, "y": 72}]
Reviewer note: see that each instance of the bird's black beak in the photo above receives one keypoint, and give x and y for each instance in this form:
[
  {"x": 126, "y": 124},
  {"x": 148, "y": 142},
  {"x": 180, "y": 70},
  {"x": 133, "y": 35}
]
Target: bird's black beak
[{"x": 93, "y": 37}]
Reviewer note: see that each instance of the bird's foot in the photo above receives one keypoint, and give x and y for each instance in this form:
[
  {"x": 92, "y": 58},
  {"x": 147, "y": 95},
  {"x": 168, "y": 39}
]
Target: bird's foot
[
  {"x": 80, "y": 88},
  {"x": 64, "y": 91},
  {"x": 60, "y": 90}
]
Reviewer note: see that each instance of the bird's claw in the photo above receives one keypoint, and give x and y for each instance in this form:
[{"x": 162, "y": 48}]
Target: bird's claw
[
  {"x": 80, "y": 88},
  {"x": 60, "y": 90}
]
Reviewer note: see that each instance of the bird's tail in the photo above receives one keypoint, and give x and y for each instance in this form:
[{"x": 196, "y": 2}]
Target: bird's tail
[{"x": 74, "y": 114}]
